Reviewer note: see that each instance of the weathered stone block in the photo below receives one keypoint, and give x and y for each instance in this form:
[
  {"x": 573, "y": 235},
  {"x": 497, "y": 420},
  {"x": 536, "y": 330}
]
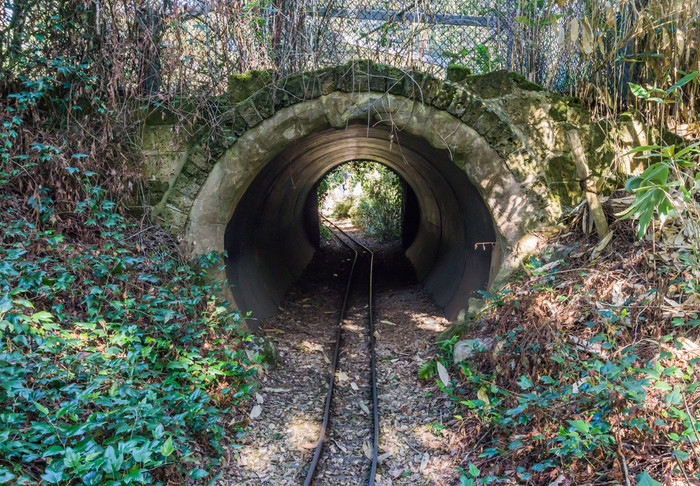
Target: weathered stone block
[
  {"x": 199, "y": 157},
  {"x": 559, "y": 110},
  {"x": 172, "y": 218},
  {"x": 242, "y": 86},
  {"x": 295, "y": 86},
  {"x": 387, "y": 79},
  {"x": 264, "y": 104},
  {"x": 238, "y": 124},
  {"x": 280, "y": 97},
  {"x": 560, "y": 175},
  {"x": 483, "y": 120},
  {"x": 184, "y": 191},
  {"x": 247, "y": 110},
  {"x": 456, "y": 73},
  {"x": 322, "y": 82},
  {"x": 156, "y": 191},
  {"x": 191, "y": 171},
  {"x": 444, "y": 96},
  {"x": 460, "y": 101}
]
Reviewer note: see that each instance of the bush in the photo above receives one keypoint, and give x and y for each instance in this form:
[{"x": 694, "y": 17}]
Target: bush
[
  {"x": 116, "y": 360},
  {"x": 344, "y": 208},
  {"x": 379, "y": 209}
]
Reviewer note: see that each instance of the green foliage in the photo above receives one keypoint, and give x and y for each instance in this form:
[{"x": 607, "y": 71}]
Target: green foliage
[
  {"x": 116, "y": 360},
  {"x": 429, "y": 368},
  {"x": 669, "y": 186},
  {"x": 344, "y": 208},
  {"x": 547, "y": 400},
  {"x": 325, "y": 232},
  {"x": 379, "y": 209}
]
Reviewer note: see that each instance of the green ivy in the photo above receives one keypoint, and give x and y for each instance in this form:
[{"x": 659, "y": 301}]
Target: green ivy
[{"x": 116, "y": 360}]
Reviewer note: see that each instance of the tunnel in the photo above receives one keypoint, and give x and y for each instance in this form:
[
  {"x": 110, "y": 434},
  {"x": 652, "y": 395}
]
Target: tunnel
[{"x": 449, "y": 234}]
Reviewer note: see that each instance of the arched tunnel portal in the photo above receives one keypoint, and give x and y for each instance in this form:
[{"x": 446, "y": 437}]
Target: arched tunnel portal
[
  {"x": 254, "y": 203},
  {"x": 270, "y": 237},
  {"x": 486, "y": 157}
]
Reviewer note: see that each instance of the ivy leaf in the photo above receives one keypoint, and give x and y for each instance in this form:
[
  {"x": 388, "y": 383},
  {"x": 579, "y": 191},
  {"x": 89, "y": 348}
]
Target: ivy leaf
[
  {"x": 524, "y": 382},
  {"x": 143, "y": 453},
  {"x": 5, "y": 304},
  {"x": 662, "y": 385},
  {"x": 580, "y": 425},
  {"x": 645, "y": 480},
  {"x": 167, "y": 448},
  {"x": 113, "y": 463},
  {"x": 681, "y": 455},
  {"x": 71, "y": 458},
  {"x": 675, "y": 397},
  {"x": 198, "y": 473},
  {"x": 40, "y": 407},
  {"x": 6, "y": 476},
  {"x": 54, "y": 473}
]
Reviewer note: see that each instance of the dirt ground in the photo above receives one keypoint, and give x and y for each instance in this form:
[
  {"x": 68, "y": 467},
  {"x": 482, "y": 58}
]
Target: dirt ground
[{"x": 415, "y": 447}]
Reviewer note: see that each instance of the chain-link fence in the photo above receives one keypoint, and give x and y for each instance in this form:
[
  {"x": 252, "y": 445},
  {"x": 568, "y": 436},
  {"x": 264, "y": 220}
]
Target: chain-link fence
[{"x": 481, "y": 34}]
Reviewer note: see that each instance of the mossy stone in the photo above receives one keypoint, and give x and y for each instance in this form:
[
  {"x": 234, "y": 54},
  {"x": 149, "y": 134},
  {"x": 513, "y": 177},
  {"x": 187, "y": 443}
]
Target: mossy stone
[
  {"x": 264, "y": 104},
  {"x": 243, "y": 86},
  {"x": 156, "y": 191},
  {"x": 238, "y": 124},
  {"x": 264, "y": 350},
  {"x": 559, "y": 110},
  {"x": 444, "y": 96},
  {"x": 561, "y": 180},
  {"x": 247, "y": 110},
  {"x": 460, "y": 102},
  {"x": 521, "y": 82},
  {"x": 457, "y": 73}
]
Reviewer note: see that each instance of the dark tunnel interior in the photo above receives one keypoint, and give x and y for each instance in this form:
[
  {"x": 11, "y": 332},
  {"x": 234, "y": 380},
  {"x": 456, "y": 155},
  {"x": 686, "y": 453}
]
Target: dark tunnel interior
[{"x": 448, "y": 231}]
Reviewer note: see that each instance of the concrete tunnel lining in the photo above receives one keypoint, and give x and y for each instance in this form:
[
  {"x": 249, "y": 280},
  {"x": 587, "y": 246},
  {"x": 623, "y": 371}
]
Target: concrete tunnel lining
[
  {"x": 214, "y": 199},
  {"x": 268, "y": 246}
]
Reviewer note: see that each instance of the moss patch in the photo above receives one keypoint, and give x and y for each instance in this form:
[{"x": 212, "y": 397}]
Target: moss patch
[
  {"x": 456, "y": 73},
  {"x": 242, "y": 86}
]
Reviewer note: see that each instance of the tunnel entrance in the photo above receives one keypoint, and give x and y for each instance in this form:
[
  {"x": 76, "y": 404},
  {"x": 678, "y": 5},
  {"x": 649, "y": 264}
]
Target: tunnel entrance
[
  {"x": 273, "y": 232},
  {"x": 242, "y": 184}
]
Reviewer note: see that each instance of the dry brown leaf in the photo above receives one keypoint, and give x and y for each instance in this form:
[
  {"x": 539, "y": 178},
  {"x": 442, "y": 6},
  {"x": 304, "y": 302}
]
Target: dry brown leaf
[
  {"x": 255, "y": 412},
  {"x": 442, "y": 373},
  {"x": 574, "y": 30},
  {"x": 483, "y": 396},
  {"x": 424, "y": 462},
  {"x": 367, "y": 449}
]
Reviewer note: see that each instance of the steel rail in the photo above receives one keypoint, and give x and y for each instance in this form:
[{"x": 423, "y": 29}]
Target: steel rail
[
  {"x": 334, "y": 367},
  {"x": 372, "y": 341}
]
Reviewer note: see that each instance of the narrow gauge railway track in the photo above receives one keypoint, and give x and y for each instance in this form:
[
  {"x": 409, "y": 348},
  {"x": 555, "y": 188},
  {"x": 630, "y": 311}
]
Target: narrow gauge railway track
[{"x": 361, "y": 252}]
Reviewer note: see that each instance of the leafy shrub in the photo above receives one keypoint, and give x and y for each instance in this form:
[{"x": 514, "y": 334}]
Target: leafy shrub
[
  {"x": 116, "y": 361},
  {"x": 344, "y": 208},
  {"x": 379, "y": 209},
  {"x": 585, "y": 373},
  {"x": 669, "y": 186}
]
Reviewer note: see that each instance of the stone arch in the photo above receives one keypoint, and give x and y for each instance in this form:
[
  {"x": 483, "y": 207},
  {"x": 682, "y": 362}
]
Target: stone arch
[{"x": 506, "y": 135}]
